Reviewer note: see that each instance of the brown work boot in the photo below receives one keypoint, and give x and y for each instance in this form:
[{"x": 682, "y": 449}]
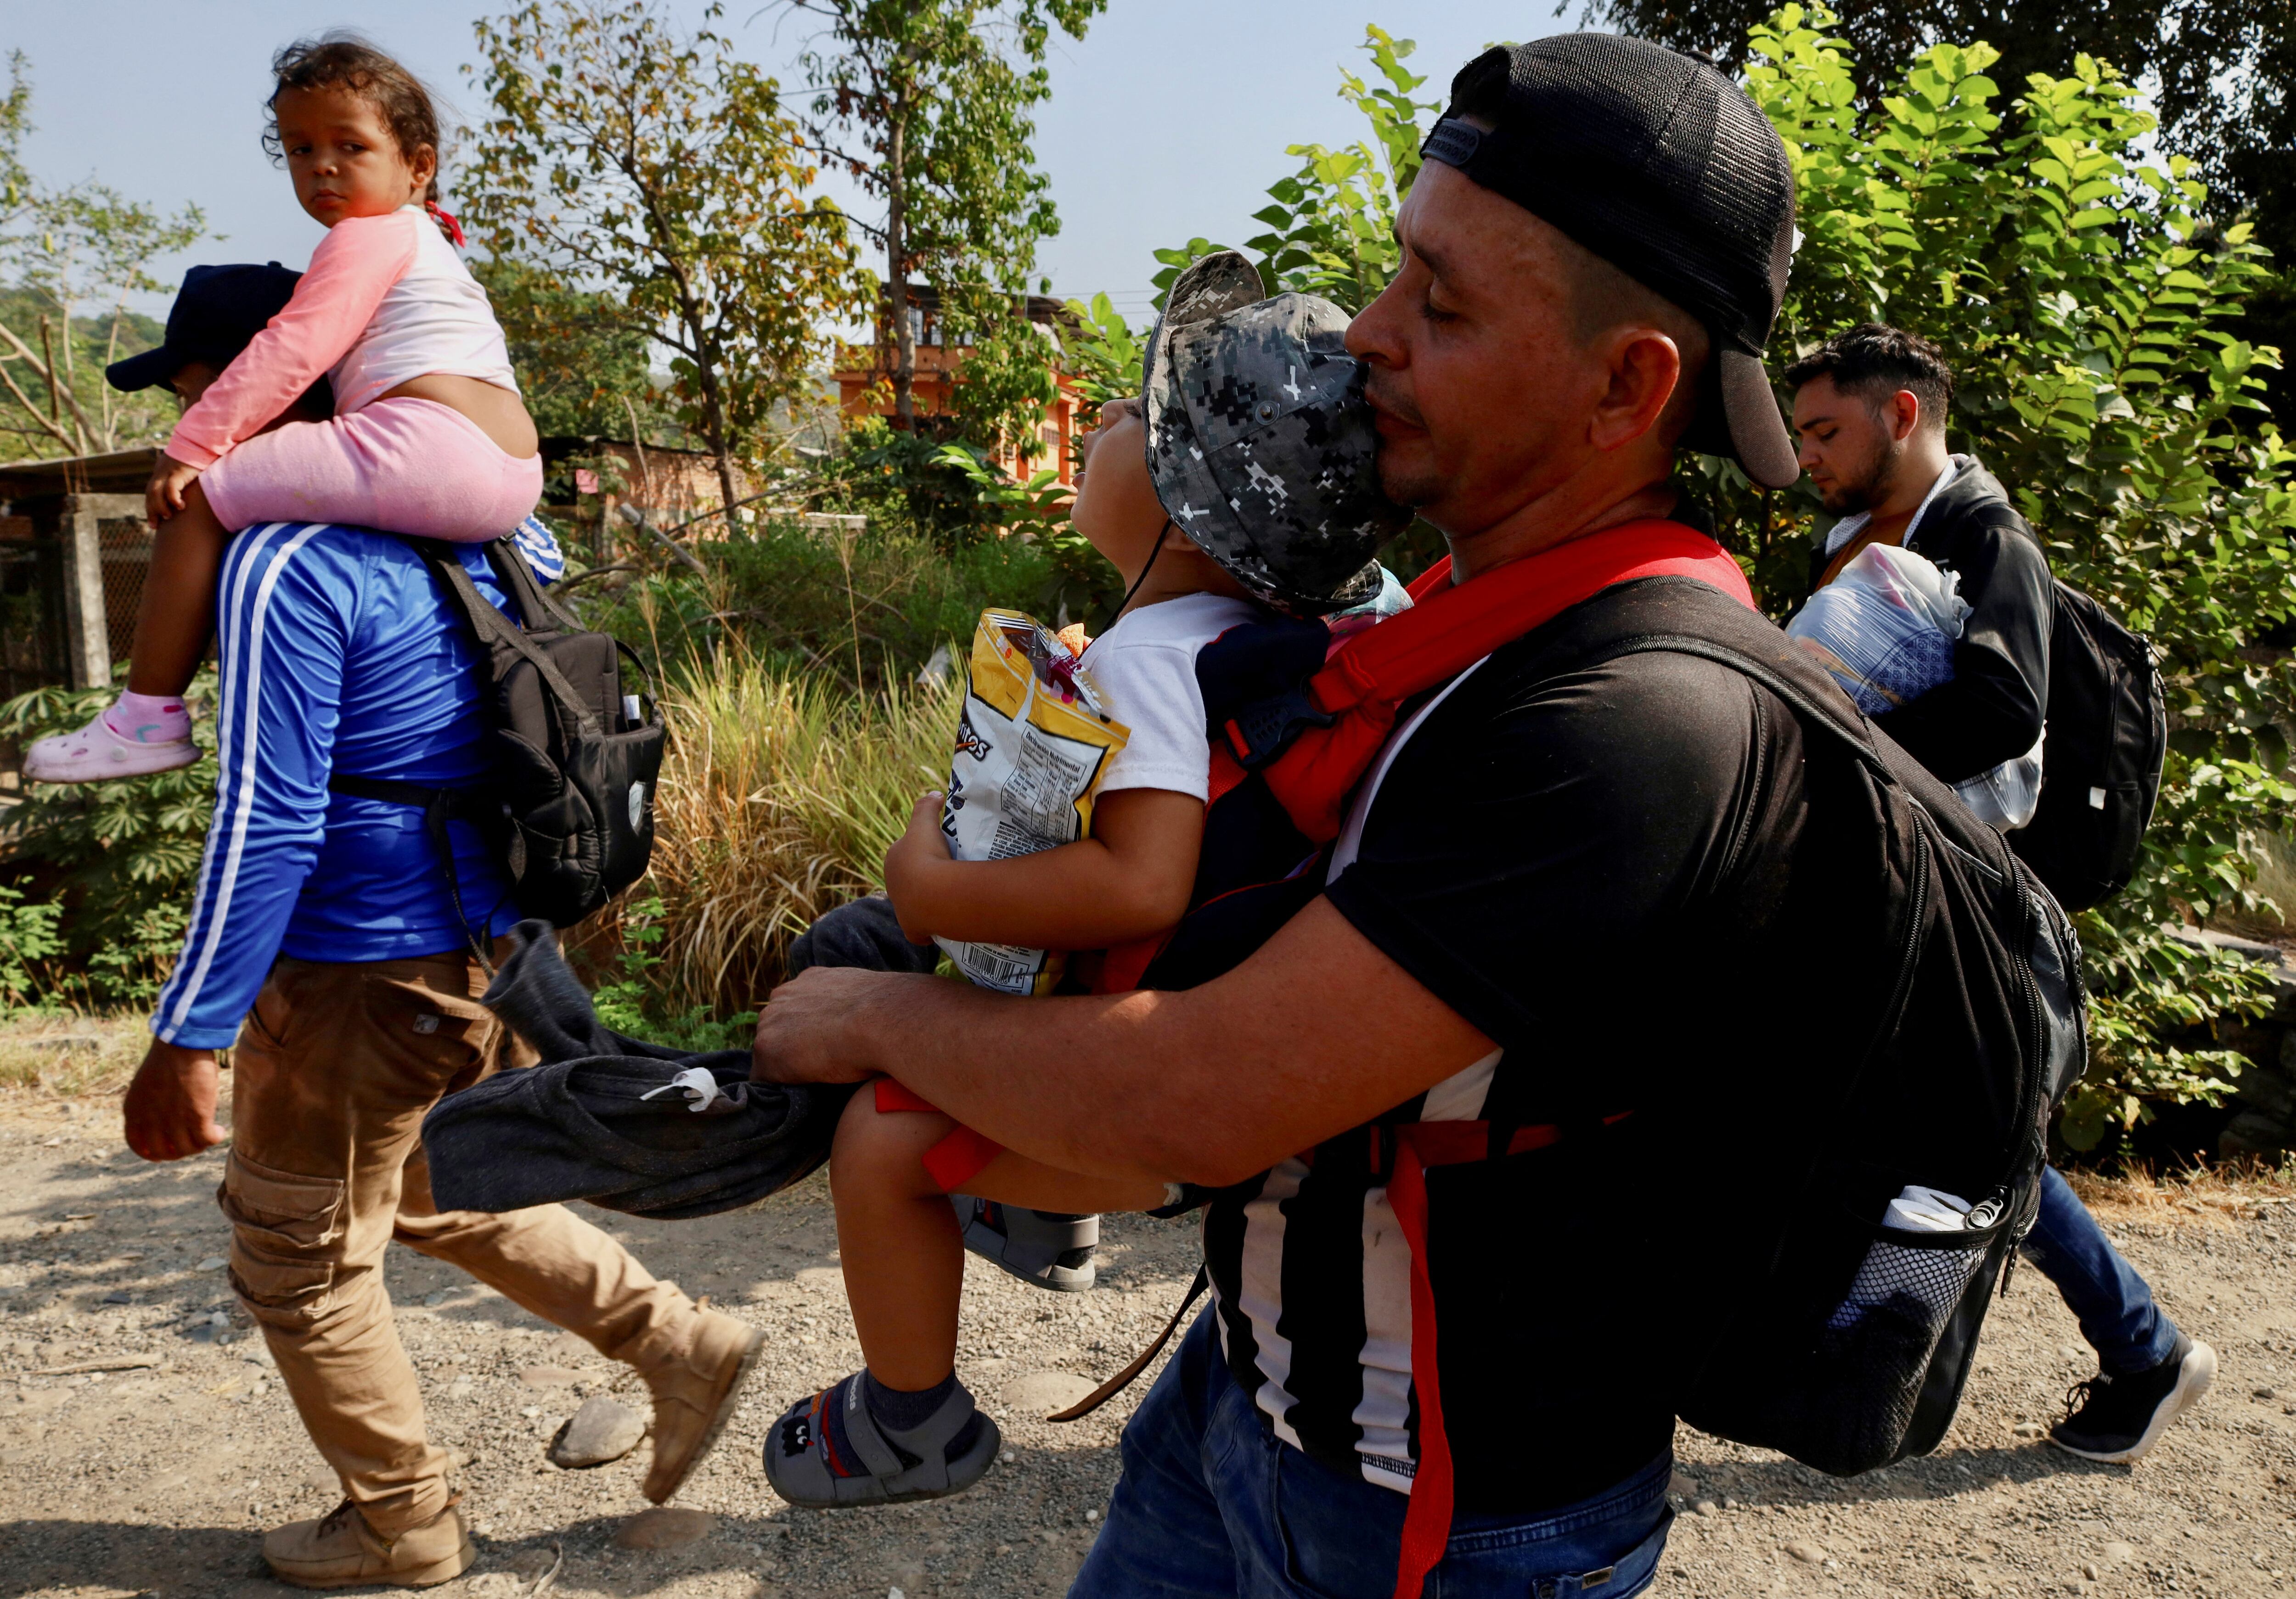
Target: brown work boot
[
  {"x": 694, "y": 1393},
  {"x": 340, "y": 1551}
]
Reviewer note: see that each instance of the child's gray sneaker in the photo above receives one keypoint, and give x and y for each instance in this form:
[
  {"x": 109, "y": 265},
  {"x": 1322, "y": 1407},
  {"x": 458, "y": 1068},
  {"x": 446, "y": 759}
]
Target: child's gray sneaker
[
  {"x": 832, "y": 1462},
  {"x": 1042, "y": 1248}
]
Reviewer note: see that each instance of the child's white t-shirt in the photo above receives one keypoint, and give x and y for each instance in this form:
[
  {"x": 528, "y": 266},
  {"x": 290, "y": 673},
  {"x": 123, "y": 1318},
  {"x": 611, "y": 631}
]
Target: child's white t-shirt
[{"x": 1145, "y": 667}]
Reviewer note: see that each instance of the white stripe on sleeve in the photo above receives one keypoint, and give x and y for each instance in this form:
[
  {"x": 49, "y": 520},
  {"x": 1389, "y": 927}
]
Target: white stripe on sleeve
[
  {"x": 242, "y": 750},
  {"x": 242, "y": 559}
]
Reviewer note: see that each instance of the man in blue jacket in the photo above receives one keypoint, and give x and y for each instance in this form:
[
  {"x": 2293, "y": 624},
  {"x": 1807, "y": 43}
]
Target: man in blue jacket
[{"x": 324, "y": 922}]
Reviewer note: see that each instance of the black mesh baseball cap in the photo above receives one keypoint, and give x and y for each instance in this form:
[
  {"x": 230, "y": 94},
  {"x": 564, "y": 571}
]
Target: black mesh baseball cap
[
  {"x": 1661, "y": 166},
  {"x": 218, "y": 310}
]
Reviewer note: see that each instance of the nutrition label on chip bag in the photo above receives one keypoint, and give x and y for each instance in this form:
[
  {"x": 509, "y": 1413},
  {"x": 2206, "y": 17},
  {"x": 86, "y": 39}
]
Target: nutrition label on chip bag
[
  {"x": 1039, "y": 798},
  {"x": 1032, "y": 744}
]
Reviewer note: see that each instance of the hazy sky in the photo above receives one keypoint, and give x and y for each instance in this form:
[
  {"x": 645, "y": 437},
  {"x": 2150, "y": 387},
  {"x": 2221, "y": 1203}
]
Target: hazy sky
[{"x": 1169, "y": 121}]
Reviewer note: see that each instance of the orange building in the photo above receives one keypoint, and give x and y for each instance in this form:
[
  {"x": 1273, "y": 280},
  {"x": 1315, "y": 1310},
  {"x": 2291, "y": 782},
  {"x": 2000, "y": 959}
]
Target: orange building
[{"x": 865, "y": 382}]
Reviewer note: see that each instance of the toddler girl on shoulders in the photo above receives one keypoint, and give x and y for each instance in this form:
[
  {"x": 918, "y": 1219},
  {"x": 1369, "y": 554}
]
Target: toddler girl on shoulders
[{"x": 429, "y": 438}]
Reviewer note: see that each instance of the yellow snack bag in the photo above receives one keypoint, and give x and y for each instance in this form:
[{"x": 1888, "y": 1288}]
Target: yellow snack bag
[{"x": 1033, "y": 742}]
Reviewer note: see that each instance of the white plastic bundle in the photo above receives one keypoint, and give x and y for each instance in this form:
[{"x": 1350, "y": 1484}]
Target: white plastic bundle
[{"x": 1885, "y": 628}]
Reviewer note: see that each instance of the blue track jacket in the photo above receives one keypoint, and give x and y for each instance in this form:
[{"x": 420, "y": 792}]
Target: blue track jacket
[{"x": 339, "y": 654}]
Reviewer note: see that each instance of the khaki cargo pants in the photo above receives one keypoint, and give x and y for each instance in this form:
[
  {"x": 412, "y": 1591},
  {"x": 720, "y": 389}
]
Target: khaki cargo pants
[{"x": 334, "y": 1069}]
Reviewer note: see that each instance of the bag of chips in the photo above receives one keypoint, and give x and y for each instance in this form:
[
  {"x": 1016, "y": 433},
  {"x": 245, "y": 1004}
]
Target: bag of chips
[{"x": 1033, "y": 742}]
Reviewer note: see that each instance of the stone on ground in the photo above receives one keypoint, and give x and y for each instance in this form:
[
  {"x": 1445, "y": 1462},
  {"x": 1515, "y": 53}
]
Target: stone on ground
[{"x": 601, "y": 1431}]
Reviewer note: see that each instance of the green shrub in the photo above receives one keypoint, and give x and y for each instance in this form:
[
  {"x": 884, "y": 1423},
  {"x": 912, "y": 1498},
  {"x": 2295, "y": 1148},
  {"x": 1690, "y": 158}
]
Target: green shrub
[
  {"x": 864, "y": 610},
  {"x": 29, "y": 945},
  {"x": 630, "y": 1001},
  {"x": 2082, "y": 298}
]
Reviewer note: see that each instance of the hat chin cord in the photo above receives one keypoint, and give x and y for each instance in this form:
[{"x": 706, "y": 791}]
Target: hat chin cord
[{"x": 1155, "y": 550}]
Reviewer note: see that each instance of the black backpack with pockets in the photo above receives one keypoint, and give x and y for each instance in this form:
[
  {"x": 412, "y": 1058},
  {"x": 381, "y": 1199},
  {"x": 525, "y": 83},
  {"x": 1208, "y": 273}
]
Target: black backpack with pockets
[
  {"x": 1810, "y": 1326},
  {"x": 2108, "y": 736},
  {"x": 1842, "y": 1341},
  {"x": 2107, "y": 719},
  {"x": 569, "y": 807}
]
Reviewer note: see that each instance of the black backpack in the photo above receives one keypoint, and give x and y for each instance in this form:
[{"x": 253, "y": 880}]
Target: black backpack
[
  {"x": 1820, "y": 1331},
  {"x": 570, "y": 806},
  {"x": 1840, "y": 1340},
  {"x": 2101, "y": 765}
]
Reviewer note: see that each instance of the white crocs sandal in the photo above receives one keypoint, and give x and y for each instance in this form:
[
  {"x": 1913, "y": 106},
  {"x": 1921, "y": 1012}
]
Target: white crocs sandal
[{"x": 96, "y": 754}]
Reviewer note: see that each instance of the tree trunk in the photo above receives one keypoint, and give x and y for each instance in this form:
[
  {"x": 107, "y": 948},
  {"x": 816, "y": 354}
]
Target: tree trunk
[
  {"x": 896, "y": 275},
  {"x": 48, "y": 352},
  {"x": 70, "y": 377},
  {"x": 718, "y": 447},
  {"x": 713, "y": 419}
]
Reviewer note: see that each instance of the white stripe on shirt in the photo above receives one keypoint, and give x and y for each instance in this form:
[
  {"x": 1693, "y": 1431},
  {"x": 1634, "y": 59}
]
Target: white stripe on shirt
[
  {"x": 251, "y": 704},
  {"x": 1261, "y": 1292},
  {"x": 1384, "y": 1410}
]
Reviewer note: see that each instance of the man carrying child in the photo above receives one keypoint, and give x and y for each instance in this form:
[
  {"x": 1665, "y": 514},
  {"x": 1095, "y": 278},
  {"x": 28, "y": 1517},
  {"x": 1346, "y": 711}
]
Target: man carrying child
[
  {"x": 326, "y": 945},
  {"x": 1548, "y": 911}
]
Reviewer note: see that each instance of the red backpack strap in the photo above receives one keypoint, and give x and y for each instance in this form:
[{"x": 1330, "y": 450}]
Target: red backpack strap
[
  {"x": 1418, "y": 1145},
  {"x": 1427, "y": 1524},
  {"x": 1449, "y": 628}
]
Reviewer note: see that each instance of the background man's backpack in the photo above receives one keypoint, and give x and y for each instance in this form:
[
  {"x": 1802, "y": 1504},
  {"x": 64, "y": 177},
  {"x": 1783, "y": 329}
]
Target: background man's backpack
[
  {"x": 1819, "y": 1329},
  {"x": 570, "y": 804},
  {"x": 2101, "y": 765}
]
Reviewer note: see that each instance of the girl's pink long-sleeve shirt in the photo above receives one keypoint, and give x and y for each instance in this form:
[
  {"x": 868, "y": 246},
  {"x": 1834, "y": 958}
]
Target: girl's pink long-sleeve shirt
[{"x": 386, "y": 300}]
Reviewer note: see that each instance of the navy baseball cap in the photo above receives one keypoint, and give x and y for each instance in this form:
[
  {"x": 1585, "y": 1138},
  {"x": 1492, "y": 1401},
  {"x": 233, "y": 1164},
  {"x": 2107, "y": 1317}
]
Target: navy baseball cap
[{"x": 218, "y": 310}]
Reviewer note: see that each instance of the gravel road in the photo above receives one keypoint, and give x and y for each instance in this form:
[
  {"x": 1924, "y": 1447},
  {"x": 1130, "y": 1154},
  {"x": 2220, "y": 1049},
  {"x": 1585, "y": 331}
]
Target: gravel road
[{"x": 156, "y": 1480}]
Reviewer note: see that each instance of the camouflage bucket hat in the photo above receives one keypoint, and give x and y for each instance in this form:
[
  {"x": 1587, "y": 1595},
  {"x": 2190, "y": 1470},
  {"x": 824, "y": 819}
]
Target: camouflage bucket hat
[{"x": 1259, "y": 443}]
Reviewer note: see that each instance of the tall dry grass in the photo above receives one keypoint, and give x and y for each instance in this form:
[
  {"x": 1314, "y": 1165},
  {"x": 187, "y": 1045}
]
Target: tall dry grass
[{"x": 780, "y": 796}]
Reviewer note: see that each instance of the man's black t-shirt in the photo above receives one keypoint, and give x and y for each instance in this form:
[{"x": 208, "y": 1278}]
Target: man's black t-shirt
[{"x": 1616, "y": 874}]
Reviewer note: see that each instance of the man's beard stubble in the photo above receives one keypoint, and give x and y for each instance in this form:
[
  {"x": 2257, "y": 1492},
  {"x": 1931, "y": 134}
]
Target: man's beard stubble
[
  {"x": 1869, "y": 486},
  {"x": 1401, "y": 485}
]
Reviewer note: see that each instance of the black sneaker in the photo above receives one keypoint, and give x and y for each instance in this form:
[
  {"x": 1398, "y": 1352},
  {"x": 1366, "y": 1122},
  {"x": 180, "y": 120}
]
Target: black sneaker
[
  {"x": 2119, "y": 1418},
  {"x": 1042, "y": 1248}
]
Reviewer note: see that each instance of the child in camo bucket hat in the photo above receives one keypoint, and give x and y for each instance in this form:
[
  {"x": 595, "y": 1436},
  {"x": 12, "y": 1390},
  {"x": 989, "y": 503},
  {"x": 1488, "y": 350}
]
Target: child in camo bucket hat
[
  {"x": 1254, "y": 488},
  {"x": 1259, "y": 442}
]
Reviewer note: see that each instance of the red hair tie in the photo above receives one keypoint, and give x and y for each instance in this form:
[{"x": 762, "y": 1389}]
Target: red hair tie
[{"x": 454, "y": 228}]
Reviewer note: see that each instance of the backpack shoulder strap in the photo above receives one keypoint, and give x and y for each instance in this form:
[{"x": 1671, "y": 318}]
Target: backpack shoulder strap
[
  {"x": 1685, "y": 617},
  {"x": 535, "y": 602},
  {"x": 493, "y": 627}
]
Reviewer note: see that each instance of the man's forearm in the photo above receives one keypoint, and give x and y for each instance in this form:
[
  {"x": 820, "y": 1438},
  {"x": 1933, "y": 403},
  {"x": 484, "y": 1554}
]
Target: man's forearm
[{"x": 1317, "y": 1032}]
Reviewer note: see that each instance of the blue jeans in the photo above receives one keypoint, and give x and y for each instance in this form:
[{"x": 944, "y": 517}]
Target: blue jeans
[
  {"x": 1211, "y": 1503},
  {"x": 2113, "y": 1303}
]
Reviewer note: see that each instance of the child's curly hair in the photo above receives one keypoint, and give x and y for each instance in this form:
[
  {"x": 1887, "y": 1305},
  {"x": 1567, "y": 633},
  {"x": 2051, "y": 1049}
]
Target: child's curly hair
[{"x": 344, "y": 61}]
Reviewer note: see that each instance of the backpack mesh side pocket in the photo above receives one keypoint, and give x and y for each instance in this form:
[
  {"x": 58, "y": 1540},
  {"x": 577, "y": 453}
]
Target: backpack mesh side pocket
[{"x": 1872, "y": 1355}]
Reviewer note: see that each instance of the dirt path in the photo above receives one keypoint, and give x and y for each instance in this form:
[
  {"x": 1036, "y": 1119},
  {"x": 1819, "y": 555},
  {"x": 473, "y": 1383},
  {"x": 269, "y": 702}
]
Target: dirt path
[{"x": 157, "y": 1480}]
